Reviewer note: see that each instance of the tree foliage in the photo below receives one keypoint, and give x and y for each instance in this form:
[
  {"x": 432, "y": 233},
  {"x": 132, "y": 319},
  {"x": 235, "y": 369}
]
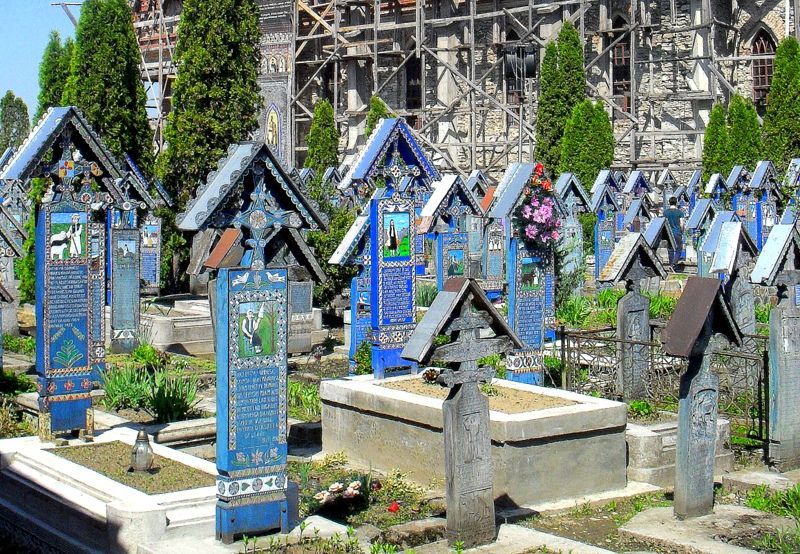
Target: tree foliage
[
  {"x": 744, "y": 132},
  {"x": 14, "y": 122},
  {"x": 377, "y": 111},
  {"x": 781, "y": 132},
  {"x": 716, "y": 154},
  {"x": 562, "y": 86},
  {"x": 25, "y": 267},
  {"x": 53, "y": 73},
  {"x": 105, "y": 82},
  {"x": 324, "y": 244},
  {"x": 323, "y": 149},
  {"x": 588, "y": 142}
]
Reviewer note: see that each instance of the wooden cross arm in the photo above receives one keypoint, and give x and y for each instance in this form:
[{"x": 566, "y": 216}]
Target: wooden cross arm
[
  {"x": 475, "y": 349},
  {"x": 451, "y": 378}
]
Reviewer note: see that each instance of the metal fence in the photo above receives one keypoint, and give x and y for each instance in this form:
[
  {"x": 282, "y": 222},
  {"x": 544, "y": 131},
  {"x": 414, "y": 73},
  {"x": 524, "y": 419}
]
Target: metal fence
[{"x": 592, "y": 360}]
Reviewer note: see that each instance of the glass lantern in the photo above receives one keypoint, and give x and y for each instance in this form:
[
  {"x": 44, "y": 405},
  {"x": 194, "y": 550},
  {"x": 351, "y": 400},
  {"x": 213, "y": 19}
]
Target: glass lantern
[{"x": 142, "y": 453}]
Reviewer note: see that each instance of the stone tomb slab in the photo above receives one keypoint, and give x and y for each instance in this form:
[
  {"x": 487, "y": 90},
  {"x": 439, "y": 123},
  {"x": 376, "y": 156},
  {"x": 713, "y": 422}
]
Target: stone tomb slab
[{"x": 659, "y": 527}]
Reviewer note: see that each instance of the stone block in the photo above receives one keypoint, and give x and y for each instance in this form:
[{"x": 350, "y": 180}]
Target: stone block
[{"x": 415, "y": 533}]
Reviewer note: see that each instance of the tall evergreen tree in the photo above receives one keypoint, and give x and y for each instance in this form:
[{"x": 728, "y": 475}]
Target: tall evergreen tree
[
  {"x": 588, "y": 142},
  {"x": 215, "y": 97},
  {"x": 14, "y": 122},
  {"x": 562, "y": 86},
  {"x": 377, "y": 111},
  {"x": 716, "y": 155},
  {"x": 215, "y": 102},
  {"x": 744, "y": 132},
  {"x": 781, "y": 133},
  {"x": 53, "y": 74},
  {"x": 105, "y": 82},
  {"x": 323, "y": 145}
]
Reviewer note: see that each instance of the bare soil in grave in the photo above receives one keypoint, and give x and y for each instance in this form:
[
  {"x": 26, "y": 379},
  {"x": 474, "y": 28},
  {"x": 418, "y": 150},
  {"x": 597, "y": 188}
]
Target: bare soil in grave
[
  {"x": 506, "y": 400},
  {"x": 113, "y": 459}
]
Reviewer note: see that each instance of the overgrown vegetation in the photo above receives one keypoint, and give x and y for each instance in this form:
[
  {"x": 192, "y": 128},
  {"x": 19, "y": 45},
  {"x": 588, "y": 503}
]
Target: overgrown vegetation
[
  {"x": 303, "y": 401},
  {"x": 426, "y": 295},
  {"x": 19, "y": 344},
  {"x": 588, "y": 221},
  {"x": 363, "y": 358},
  {"x": 781, "y": 503},
  {"x": 377, "y": 111},
  {"x": 661, "y": 306},
  {"x": 641, "y": 409},
  {"x": 575, "y": 311},
  {"x": 14, "y": 122}
]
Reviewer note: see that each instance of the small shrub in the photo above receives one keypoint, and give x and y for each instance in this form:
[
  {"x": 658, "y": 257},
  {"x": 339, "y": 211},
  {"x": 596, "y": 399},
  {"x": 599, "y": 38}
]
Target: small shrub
[
  {"x": 19, "y": 345},
  {"x": 661, "y": 306},
  {"x": 363, "y": 358},
  {"x": 588, "y": 221},
  {"x": 148, "y": 357},
  {"x": 10, "y": 423},
  {"x": 494, "y": 361},
  {"x": 608, "y": 298},
  {"x": 303, "y": 401},
  {"x": 126, "y": 387},
  {"x": 762, "y": 313},
  {"x": 781, "y": 503},
  {"x": 554, "y": 370},
  {"x": 574, "y": 311},
  {"x": 426, "y": 295},
  {"x": 641, "y": 409},
  {"x": 172, "y": 397}
]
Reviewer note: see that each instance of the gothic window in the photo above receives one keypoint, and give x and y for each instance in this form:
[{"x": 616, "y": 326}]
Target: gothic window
[
  {"x": 763, "y": 45},
  {"x": 413, "y": 84},
  {"x": 621, "y": 64}
]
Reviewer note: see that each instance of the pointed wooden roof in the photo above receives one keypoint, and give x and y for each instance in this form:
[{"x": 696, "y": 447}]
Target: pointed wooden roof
[{"x": 632, "y": 259}]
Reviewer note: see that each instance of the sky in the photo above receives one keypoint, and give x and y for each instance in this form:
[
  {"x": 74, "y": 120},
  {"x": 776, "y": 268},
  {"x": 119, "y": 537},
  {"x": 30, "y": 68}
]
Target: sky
[{"x": 25, "y": 26}]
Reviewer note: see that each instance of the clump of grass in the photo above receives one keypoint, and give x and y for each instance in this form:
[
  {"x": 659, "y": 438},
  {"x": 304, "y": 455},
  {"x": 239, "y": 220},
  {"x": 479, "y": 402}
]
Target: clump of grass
[{"x": 303, "y": 401}]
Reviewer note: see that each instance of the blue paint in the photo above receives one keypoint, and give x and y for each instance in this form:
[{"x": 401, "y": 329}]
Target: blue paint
[
  {"x": 393, "y": 281},
  {"x": 360, "y": 312},
  {"x": 125, "y": 250},
  {"x": 452, "y": 257},
  {"x": 151, "y": 255},
  {"x": 603, "y": 240},
  {"x": 252, "y": 317}
]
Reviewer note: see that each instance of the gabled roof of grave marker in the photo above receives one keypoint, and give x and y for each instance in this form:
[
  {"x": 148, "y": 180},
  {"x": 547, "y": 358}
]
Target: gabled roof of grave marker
[
  {"x": 28, "y": 156},
  {"x": 792, "y": 177},
  {"x": 695, "y": 182},
  {"x": 739, "y": 177},
  {"x": 306, "y": 175},
  {"x": 332, "y": 175},
  {"x": 638, "y": 208},
  {"x": 569, "y": 186},
  {"x": 781, "y": 248},
  {"x": 711, "y": 239},
  {"x": 603, "y": 196},
  {"x": 632, "y": 255},
  {"x": 387, "y": 134},
  {"x": 445, "y": 308},
  {"x": 515, "y": 179},
  {"x": 620, "y": 177},
  {"x": 605, "y": 177},
  {"x": 789, "y": 216},
  {"x": 732, "y": 238},
  {"x": 678, "y": 193},
  {"x": 225, "y": 182},
  {"x": 444, "y": 193},
  {"x": 144, "y": 184},
  {"x": 764, "y": 175},
  {"x": 488, "y": 199},
  {"x": 636, "y": 181},
  {"x": 716, "y": 182},
  {"x": 357, "y": 234},
  {"x": 658, "y": 230},
  {"x": 6, "y": 155},
  {"x": 478, "y": 183},
  {"x": 703, "y": 210},
  {"x": 665, "y": 178},
  {"x": 702, "y": 297}
]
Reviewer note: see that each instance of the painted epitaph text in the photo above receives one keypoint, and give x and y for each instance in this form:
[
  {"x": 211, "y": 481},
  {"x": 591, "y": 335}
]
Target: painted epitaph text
[
  {"x": 251, "y": 401},
  {"x": 151, "y": 255},
  {"x": 124, "y": 289}
]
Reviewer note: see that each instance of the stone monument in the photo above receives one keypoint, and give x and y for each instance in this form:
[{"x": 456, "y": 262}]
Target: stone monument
[
  {"x": 632, "y": 261},
  {"x": 464, "y": 313},
  {"x": 701, "y": 326}
]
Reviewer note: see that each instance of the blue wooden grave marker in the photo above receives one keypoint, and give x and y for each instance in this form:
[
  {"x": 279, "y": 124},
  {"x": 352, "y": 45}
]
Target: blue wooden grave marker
[
  {"x": 150, "y": 271},
  {"x": 452, "y": 257},
  {"x": 605, "y": 207},
  {"x": 252, "y": 318},
  {"x": 70, "y": 300},
  {"x": 125, "y": 306}
]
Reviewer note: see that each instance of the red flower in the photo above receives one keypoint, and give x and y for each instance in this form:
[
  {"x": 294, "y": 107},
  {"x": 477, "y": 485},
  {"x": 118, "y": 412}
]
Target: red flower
[
  {"x": 538, "y": 170},
  {"x": 394, "y": 507},
  {"x": 547, "y": 185}
]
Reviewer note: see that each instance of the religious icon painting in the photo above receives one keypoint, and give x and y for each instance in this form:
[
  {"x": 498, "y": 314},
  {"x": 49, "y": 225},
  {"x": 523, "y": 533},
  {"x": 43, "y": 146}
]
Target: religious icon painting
[
  {"x": 530, "y": 276},
  {"x": 68, "y": 235},
  {"x": 396, "y": 239}
]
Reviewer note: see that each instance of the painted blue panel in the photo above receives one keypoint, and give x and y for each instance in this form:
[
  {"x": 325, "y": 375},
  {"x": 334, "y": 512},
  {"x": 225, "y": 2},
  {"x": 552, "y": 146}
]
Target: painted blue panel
[
  {"x": 572, "y": 244},
  {"x": 252, "y": 320},
  {"x": 151, "y": 255},
  {"x": 360, "y": 312},
  {"x": 124, "y": 289},
  {"x": 69, "y": 337},
  {"x": 604, "y": 241},
  {"x": 452, "y": 257},
  {"x": 528, "y": 284},
  {"x": 493, "y": 252},
  {"x": 393, "y": 281}
]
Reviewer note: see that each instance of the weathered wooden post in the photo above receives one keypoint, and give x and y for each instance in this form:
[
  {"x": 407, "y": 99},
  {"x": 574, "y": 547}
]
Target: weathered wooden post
[
  {"x": 779, "y": 265},
  {"x": 699, "y": 328},
  {"x": 463, "y": 312},
  {"x": 632, "y": 261}
]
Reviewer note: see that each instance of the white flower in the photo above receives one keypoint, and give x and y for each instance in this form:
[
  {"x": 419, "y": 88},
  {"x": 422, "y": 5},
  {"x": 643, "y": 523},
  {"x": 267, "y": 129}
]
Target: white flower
[
  {"x": 355, "y": 485},
  {"x": 322, "y": 497},
  {"x": 350, "y": 493},
  {"x": 336, "y": 487}
]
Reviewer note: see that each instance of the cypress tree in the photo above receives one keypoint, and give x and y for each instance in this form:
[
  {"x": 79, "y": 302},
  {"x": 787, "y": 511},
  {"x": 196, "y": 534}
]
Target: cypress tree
[
  {"x": 377, "y": 111},
  {"x": 781, "y": 134},
  {"x": 105, "y": 82},
  {"x": 716, "y": 156},
  {"x": 215, "y": 96},
  {"x": 14, "y": 122},
  {"x": 562, "y": 86},
  {"x": 744, "y": 132},
  {"x": 53, "y": 74},
  {"x": 588, "y": 142},
  {"x": 323, "y": 148}
]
